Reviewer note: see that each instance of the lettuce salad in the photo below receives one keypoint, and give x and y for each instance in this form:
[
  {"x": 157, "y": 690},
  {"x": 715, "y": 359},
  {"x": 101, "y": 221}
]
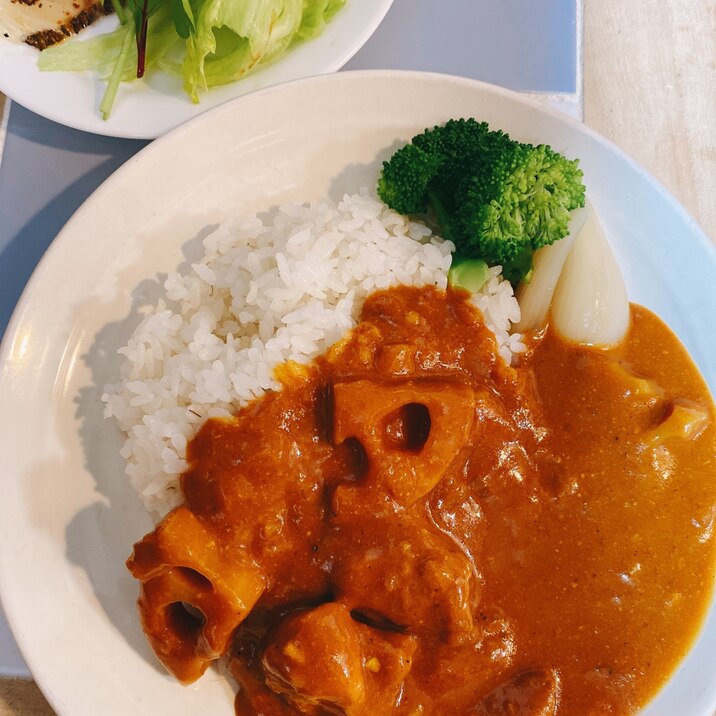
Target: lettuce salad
[{"x": 208, "y": 42}]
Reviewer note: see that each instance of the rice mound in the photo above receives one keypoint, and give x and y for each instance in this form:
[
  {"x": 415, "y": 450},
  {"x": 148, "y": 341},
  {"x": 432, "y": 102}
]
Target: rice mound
[{"x": 266, "y": 291}]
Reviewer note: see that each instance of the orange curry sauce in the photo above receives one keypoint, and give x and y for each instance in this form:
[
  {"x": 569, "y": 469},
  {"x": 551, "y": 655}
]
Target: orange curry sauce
[{"x": 411, "y": 527}]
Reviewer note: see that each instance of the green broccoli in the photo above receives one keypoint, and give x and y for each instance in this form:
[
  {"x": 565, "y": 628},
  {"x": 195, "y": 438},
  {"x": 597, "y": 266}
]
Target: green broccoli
[
  {"x": 497, "y": 199},
  {"x": 427, "y": 172}
]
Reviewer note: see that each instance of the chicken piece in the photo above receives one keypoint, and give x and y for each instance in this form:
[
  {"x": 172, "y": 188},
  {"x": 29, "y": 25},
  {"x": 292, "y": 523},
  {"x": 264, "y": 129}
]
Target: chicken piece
[
  {"x": 683, "y": 420},
  {"x": 324, "y": 660},
  {"x": 256, "y": 699},
  {"x": 634, "y": 387},
  {"x": 249, "y": 479},
  {"x": 315, "y": 658},
  {"x": 409, "y": 577},
  {"x": 42, "y": 23},
  {"x": 387, "y": 660},
  {"x": 452, "y": 678},
  {"x": 397, "y": 359},
  {"x": 531, "y": 693},
  {"x": 191, "y": 599},
  {"x": 410, "y": 431}
]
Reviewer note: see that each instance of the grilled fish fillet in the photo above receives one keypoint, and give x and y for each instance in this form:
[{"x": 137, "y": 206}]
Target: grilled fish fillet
[{"x": 42, "y": 23}]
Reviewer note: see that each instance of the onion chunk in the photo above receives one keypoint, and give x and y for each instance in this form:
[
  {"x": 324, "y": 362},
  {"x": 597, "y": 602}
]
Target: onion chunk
[{"x": 590, "y": 304}]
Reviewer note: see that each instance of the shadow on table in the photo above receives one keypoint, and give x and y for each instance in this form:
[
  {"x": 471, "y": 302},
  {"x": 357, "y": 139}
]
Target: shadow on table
[
  {"x": 46, "y": 174},
  {"x": 21, "y": 254},
  {"x": 30, "y": 126}
]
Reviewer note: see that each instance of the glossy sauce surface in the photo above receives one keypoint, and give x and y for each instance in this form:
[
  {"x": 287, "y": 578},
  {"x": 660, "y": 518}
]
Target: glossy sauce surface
[{"x": 410, "y": 527}]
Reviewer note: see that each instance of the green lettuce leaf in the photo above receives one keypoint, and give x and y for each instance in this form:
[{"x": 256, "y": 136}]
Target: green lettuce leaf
[
  {"x": 316, "y": 15},
  {"x": 234, "y": 36},
  {"x": 100, "y": 54},
  {"x": 208, "y": 42}
]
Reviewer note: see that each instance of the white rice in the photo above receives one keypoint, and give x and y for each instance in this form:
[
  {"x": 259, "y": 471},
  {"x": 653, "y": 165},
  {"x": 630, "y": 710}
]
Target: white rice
[{"x": 266, "y": 291}]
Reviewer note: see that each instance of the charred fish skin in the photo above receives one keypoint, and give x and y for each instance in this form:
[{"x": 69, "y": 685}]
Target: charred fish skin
[
  {"x": 47, "y": 38},
  {"x": 43, "y": 23}
]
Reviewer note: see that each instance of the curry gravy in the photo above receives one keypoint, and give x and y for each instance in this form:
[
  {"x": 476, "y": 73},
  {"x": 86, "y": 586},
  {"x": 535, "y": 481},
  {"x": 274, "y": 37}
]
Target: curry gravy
[
  {"x": 411, "y": 527},
  {"x": 610, "y": 582}
]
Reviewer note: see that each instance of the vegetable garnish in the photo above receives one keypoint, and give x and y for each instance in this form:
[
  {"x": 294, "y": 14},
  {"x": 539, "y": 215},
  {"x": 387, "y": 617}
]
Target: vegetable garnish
[
  {"x": 497, "y": 199},
  {"x": 470, "y": 274},
  {"x": 207, "y": 42}
]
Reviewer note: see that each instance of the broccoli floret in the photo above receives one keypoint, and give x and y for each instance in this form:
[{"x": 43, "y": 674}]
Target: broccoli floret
[
  {"x": 458, "y": 144},
  {"x": 403, "y": 185},
  {"x": 495, "y": 198},
  {"x": 427, "y": 172},
  {"x": 523, "y": 195}
]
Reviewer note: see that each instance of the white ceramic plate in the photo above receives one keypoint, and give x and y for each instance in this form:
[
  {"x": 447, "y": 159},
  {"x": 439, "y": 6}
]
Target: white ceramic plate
[
  {"x": 67, "y": 518},
  {"x": 150, "y": 107}
]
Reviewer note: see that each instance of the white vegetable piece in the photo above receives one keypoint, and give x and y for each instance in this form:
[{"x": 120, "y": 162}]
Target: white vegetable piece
[
  {"x": 535, "y": 296},
  {"x": 590, "y": 304}
]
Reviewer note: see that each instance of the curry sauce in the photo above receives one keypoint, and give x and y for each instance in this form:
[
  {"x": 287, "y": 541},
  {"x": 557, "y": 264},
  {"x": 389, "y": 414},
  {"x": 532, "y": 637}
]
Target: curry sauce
[{"x": 412, "y": 527}]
